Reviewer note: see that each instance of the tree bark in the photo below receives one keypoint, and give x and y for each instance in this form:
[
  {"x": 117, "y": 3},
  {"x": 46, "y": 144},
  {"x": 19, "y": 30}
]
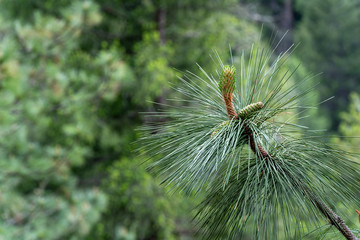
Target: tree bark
[
  {"x": 287, "y": 19},
  {"x": 161, "y": 20}
]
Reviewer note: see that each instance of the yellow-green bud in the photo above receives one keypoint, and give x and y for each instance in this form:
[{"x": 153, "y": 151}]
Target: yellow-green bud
[
  {"x": 227, "y": 80},
  {"x": 249, "y": 110}
]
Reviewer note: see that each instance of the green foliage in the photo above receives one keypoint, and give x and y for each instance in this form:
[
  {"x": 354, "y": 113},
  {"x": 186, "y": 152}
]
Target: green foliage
[
  {"x": 350, "y": 120},
  {"x": 217, "y": 31},
  {"x": 309, "y": 114},
  {"x": 74, "y": 77},
  {"x": 328, "y": 33},
  {"x": 50, "y": 96},
  {"x": 282, "y": 189},
  {"x": 76, "y": 102},
  {"x": 153, "y": 70},
  {"x": 138, "y": 207},
  {"x": 349, "y": 126}
]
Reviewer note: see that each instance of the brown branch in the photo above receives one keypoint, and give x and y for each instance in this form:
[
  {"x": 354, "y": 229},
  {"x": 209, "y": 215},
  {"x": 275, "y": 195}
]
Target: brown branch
[
  {"x": 258, "y": 150},
  {"x": 332, "y": 216},
  {"x": 323, "y": 208},
  {"x": 255, "y": 147},
  {"x": 228, "y": 99}
]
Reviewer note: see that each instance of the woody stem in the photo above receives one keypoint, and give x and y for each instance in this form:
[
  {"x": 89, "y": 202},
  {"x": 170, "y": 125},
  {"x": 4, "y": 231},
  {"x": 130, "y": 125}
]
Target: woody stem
[
  {"x": 334, "y": 219},
  {"x": 258, "y": 150}
]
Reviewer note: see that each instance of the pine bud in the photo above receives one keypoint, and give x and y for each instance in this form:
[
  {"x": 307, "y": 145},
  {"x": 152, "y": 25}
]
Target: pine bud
[
  {"x": 227, "y": 81},
  {"x": 227, "y": 87},
  {"x": 249, "y": 110}
]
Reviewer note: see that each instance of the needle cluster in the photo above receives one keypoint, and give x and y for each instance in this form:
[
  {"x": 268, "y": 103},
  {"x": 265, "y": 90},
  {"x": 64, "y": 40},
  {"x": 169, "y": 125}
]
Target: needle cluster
[{"x": 259, "y": 176}]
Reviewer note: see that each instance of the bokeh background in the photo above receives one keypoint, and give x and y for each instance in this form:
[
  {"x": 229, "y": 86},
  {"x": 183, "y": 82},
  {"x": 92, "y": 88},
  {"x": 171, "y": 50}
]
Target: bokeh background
[{"x": 75, "y": 76}]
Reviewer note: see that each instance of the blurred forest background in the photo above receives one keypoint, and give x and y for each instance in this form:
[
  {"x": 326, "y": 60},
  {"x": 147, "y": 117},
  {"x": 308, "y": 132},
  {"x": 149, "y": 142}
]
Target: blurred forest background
[{"x": 76, "y": 75}]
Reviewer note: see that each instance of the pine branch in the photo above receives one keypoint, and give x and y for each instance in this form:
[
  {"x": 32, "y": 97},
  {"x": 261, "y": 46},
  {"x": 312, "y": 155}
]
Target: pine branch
[
  {"x": 281, "y": 188},
  {"x": 260, "y": 151}
]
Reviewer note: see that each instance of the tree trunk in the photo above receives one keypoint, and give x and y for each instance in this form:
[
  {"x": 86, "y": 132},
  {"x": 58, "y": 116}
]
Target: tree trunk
[{"x": 161, "y": 20}]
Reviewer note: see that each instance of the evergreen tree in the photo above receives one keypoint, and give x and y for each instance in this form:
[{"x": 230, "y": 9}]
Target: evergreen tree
[
  {"x": 328, "y": 33},
  {"x": 51, "y": 94}
]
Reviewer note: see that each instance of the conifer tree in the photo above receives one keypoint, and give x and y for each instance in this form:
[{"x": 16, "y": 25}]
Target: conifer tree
[
  {"x": 331, "y": 52},
  {"x": 258, "y": 174}
]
